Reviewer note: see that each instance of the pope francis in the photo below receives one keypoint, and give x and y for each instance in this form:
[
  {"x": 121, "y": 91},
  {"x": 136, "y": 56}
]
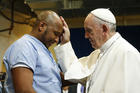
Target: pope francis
[{"x": 114, "y": 67}]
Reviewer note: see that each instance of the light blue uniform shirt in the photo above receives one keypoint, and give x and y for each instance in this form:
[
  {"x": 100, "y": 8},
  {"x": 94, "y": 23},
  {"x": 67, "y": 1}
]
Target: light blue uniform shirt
[{"x": 30, "y": 52}]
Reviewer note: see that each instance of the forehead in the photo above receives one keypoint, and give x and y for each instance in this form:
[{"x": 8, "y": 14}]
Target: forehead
[
  {"x": 89, "y": 20},
  {"x": 57, "y": 27}
]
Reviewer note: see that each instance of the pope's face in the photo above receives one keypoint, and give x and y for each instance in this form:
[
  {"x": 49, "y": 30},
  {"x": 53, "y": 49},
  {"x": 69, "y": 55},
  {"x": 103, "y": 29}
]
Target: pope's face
[{"x": 93, "y": 31}]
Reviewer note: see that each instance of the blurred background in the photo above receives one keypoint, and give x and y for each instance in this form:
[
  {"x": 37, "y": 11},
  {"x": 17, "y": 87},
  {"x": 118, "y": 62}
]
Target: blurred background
[{"x": 17, "y": 17}]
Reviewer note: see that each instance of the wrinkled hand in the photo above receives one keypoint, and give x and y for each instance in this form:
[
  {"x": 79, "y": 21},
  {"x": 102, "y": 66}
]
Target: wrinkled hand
[{"x": 66, "y": 34}]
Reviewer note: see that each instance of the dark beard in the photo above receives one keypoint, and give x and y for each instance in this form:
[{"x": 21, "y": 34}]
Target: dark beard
[
  {"x": 47, "y": 42},
  {"x": 43, "y": 38}
]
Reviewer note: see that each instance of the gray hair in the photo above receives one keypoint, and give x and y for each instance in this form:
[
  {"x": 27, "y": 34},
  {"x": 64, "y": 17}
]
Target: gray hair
[{"x": 111, "y": 26}]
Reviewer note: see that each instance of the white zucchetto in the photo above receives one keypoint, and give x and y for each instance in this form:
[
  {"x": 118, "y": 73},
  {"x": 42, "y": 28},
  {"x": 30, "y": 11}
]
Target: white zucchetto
[{"x": 104, "y": 14}]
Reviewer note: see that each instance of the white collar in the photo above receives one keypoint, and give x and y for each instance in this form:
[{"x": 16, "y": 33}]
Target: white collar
[{"x": 109, "y": 42}]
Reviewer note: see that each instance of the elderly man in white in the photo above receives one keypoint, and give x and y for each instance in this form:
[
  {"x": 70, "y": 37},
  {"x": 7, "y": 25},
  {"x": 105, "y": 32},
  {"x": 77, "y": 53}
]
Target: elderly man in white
[{"x": 114, "y": 67}]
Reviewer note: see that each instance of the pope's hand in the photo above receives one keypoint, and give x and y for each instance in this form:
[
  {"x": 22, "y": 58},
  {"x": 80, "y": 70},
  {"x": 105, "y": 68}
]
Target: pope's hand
[{"x": 66, "y": 34}]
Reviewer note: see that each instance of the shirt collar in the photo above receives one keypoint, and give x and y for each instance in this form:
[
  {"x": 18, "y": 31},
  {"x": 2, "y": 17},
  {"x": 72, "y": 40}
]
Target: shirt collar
[
  {"x": 35, "y": 39},
  {"x": 109, "y": 42}
]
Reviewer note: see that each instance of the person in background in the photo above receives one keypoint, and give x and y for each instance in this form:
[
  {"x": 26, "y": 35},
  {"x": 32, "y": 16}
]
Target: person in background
[
  {"x": 30, "y": 66},
  {"x": 114, "y": 69},
  {"x": 0, "y": 87},
  {"x": 65, "y": 89},
  {"x": 80, "y": 88}
]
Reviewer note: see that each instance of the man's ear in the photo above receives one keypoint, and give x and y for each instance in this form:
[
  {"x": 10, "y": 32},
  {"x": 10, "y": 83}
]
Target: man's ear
[{"x": 41, "y": 26}]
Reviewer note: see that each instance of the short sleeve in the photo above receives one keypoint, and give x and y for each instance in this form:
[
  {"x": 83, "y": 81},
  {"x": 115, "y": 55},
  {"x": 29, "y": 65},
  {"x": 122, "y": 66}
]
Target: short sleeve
[{"x": 23, "y": 53}]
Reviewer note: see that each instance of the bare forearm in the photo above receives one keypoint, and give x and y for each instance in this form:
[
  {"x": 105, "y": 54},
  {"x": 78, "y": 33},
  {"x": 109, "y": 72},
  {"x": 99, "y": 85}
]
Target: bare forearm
[{"x": 23, "y": 80}]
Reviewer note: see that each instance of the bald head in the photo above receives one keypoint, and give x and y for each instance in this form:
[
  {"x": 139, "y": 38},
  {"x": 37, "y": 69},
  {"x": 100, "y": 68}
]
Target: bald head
[
  {"x": 49, "y": 17},
  {"x": 48, "y": 28}
]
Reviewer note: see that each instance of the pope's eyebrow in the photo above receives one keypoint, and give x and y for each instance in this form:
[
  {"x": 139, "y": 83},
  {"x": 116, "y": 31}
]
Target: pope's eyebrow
[{"x": 87, "y": 29}]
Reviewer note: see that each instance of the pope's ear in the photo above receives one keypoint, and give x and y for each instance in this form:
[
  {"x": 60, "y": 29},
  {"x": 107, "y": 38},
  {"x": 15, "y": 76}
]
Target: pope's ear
[{"x": 105, "y": 28}]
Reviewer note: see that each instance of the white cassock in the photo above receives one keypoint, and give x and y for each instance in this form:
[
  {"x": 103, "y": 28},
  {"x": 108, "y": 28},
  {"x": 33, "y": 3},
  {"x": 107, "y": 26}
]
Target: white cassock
[{"x": 117, "y": 69}]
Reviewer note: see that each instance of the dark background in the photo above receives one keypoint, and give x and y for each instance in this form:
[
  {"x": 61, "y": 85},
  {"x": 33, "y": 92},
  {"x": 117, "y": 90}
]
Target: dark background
[{"x": 83, "y": 47}]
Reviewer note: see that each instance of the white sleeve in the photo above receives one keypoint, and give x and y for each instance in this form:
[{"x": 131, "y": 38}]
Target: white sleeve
[
  {"x": 20, "y": 65},
  {"x": 65, "y": 56},
  {"x": 74, "y": 69}
]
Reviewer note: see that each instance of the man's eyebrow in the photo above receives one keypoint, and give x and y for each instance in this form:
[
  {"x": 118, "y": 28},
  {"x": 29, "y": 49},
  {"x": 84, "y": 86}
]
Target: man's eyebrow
[{"x": 57, "y": 33}]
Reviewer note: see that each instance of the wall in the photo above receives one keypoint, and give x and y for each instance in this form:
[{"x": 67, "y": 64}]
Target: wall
[
  {"x": 121, "y": 21},
  {"x": 17, "y": 32}
]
